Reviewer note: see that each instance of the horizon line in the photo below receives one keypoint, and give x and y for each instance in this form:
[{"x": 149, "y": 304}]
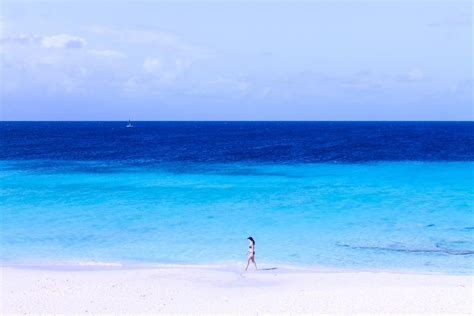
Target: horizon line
[{"x": 236, "y": 121}]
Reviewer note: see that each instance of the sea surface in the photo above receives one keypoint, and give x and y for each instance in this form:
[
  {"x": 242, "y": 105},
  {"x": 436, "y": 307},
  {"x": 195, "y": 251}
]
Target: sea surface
[{"x": 344, "y": 195}]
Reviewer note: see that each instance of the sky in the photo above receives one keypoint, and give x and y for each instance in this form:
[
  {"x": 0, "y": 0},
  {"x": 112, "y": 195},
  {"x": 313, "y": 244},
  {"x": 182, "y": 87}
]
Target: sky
[{"x": 236, "y": 60}]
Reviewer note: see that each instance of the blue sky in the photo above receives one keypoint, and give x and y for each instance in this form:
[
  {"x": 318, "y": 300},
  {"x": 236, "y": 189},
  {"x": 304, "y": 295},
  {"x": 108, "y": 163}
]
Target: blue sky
[{"x": 240, "y": 60}]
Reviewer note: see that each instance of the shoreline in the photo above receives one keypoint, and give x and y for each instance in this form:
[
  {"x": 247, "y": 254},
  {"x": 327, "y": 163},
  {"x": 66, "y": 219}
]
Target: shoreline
[
  {"x": 228, "y": 267},
  {"x": 211, "y": 289}
]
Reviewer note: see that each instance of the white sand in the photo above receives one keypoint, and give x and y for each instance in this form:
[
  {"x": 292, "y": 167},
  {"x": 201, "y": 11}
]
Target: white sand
[{"x": 208, "y": 290}]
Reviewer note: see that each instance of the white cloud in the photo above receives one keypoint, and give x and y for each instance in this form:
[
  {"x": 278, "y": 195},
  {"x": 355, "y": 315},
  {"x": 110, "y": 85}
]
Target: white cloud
[
  {"x": 68, "y": 63},
  {"x": 171, "y": 57},
  {"x": 20, "y": 39},
  {"x": 415, "y": 74},
  {"x": 157, "y": 74},
  {"x": 152, "y": 65},
  {"x": 29, "y": 62},
  {"x": 152, "y": 38},
  {"x": 63, "y": 41},
  {"x": 139, "y": 35},
  {"x": 412, "y": 75},
  {"x": 466, "y": 85}
]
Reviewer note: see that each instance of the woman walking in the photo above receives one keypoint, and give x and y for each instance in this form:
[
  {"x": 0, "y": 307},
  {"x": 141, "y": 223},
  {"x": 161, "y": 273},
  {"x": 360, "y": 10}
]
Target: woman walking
[{"x": 251, "y": 254}]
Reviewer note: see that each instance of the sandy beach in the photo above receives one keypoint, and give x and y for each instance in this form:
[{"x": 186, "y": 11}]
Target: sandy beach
[{"x": 201, "y": 289}]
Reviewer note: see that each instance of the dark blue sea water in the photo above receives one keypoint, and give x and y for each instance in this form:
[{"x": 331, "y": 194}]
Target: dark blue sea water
[
  {"x": 363, "y": 195},
  {"x": 227, "y": 142}
]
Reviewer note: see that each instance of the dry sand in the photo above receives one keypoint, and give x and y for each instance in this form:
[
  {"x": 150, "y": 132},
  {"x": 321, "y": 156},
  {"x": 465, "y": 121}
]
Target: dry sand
[{"x": 178, "y": 289}]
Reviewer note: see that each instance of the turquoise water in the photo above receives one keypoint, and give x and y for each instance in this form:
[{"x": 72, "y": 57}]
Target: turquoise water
[{"x": 415, "y": 216}]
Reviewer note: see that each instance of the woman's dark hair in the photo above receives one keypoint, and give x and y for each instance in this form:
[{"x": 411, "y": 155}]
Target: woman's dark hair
[{"x": 251, "y": 239}]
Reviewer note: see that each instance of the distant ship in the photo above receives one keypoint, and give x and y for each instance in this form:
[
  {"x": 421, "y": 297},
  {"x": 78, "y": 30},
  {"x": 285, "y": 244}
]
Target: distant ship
[{"x": 129, "y": 125}]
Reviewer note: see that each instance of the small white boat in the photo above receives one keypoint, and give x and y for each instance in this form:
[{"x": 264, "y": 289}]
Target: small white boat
[{"x": 129, "y": 125}]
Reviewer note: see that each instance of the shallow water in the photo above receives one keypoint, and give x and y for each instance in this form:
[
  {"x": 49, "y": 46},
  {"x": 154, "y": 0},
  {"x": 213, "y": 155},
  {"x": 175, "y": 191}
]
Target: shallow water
[{"x": 376, "y": 214}]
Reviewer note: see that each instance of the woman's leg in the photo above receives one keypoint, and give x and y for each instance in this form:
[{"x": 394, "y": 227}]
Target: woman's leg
[
  {"x": 254, "y": 263},
  {"x": 248, "y": 262}
]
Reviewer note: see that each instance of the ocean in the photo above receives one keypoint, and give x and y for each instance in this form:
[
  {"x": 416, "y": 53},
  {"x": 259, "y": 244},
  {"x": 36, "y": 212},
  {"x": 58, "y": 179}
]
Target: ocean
[{"x": 339, "y": 195}]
